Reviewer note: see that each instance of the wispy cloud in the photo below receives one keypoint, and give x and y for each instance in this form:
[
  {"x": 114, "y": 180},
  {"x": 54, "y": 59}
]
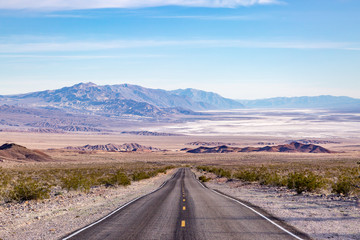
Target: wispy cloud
[
  {"x": 211, "y": 18},
  {"x": 96, "y": 4},
  {"x": 88, "y": 46},
  {"x": 79, "y": 57},
  {"x": 65, "y": 16}
]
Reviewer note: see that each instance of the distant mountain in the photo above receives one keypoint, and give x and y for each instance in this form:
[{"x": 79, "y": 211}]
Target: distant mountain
[
  {"x": 47, "y": 120},
  {"x": 324, "y": 101},
  {"x": 209, "y": 98},
  {"x": 126, "y": 147},
  {"x": 292, "y": 147},
  {"x": 123, "y": 99}
]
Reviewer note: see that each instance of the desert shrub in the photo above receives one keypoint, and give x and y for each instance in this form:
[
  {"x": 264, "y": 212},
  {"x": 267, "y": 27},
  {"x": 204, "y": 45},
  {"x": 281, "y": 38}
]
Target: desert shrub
[
  {"x": 203, "y": 178},
  {"x": 302, "y": 181},
  {"x": 140, "y": 175},
  {"x": 343, "y": 186},
  {"x": 119, "y": 178},
  {"x": 220, "y": 172},
  {"x": 28, "y": 189},
  {"x": 272, "y": 179},
  {"x": 247, "y": 175},
  {"x": 5, "y": 180},
  {"x": 76, "y": 182},
  {"x": 203, "y": 168}
]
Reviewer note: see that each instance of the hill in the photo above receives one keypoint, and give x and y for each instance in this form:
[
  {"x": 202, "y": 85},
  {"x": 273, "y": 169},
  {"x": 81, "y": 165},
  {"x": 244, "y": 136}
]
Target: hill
[
  {"x": 126, "y": 147},
  {"x": 290, "y": 148},
  {"x": 14, "y": 152}
]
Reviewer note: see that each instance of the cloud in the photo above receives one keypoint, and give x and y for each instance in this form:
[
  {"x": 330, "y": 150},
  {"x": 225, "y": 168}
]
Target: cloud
[
  {"x": 96, "y": 4},
  {"x": 86, "y": 46},
  {"x": 79, "y": 57},
  {"x": 215, "y": 18}
]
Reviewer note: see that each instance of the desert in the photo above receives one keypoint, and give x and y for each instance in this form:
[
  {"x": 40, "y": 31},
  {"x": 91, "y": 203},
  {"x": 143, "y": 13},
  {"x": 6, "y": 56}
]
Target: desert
[
  {"x": 185, "y": 119},
  {"x": 40, "y": 219}
]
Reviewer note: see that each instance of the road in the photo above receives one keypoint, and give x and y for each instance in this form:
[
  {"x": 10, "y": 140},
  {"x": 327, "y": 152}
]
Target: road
[{"x": 183, "y": 209}]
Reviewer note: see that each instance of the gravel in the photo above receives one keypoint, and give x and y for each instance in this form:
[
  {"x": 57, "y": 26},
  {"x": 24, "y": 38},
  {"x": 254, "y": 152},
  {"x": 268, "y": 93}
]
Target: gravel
[{"x": 318, "y": 215}]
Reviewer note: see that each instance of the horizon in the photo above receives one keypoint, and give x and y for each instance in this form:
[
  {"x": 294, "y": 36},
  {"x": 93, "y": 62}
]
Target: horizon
[{"x": 238, "y": 49}]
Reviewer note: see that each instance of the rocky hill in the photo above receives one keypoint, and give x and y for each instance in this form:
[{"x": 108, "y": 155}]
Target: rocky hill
[
  {"x": 126, "y": 147},
  {"x": 293, "y": 147},
  {"x": 14, "y": 152}
]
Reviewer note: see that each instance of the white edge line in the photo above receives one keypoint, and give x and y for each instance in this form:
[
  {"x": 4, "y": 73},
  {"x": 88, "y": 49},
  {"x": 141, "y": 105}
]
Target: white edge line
[
  {"x": 243, "y": 204},
  {"x": 115, "y": 211}
]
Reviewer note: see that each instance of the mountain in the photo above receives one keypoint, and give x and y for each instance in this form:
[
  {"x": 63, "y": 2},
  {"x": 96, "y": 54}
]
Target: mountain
[
  {"x": 292, "y": 147},
  {"x": 209, "y": 98},
  {"x": 122, "y": 99},
  {"x": 324, "y": 101},
  {"x": 47, "y": 120}
]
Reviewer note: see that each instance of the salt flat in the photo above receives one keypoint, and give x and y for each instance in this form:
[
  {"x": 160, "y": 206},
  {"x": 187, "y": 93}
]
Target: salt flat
[{"x": 284, "y": 123}]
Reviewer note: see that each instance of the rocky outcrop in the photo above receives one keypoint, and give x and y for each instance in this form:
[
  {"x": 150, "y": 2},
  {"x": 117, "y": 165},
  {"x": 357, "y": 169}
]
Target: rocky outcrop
[{"x": 126, "y": 147}]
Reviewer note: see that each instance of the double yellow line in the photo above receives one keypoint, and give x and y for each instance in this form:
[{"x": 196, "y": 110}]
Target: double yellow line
[{"x": 184, "y": 207}]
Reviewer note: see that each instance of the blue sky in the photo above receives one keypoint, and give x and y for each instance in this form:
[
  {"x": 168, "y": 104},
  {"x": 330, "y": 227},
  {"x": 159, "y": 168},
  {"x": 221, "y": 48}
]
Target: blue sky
[{"x": 243, "y": 49}]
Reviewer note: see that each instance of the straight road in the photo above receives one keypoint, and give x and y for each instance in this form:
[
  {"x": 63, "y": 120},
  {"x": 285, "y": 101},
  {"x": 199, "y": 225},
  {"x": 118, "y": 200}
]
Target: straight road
[{"x": 183, "y": 209}]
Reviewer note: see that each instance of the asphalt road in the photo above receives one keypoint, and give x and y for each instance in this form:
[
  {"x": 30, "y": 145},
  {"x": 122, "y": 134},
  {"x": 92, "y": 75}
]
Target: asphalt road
[{"x": 183, "y": 209}]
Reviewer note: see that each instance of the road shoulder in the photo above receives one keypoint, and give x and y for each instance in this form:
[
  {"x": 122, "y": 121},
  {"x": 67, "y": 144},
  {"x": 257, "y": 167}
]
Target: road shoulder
[
  {"x": 318, "y": 216},
  {"x": 54, "y": 218}
]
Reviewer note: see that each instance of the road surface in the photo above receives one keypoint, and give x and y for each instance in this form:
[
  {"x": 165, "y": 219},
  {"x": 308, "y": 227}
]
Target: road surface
[{"x": 183, "y": 209}]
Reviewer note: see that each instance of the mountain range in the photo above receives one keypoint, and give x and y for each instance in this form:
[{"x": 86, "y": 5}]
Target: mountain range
[
  {"x": 136, "y": 101},
  {"x": 122, "y": 99},
  {"x": 318, "y": 102}
]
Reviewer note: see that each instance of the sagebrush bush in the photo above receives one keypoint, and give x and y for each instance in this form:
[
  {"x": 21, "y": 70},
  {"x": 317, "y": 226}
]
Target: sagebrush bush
[
  {"x": 247, "y": 175},
  {"x": 220, "y": 172},
  {"x": 304, "y": 181},
  {"x": 140, "y": 175},
  {"x": 28, "y": 189},
  {"x": 4, "y": 179},
  {"x": 272, "y": 179},
  {"x": 203, "y": 178},
  {"x": 343, "y": 186},
  {"x": 119, "y": 178},
  {"x": 76, "y": 182}
]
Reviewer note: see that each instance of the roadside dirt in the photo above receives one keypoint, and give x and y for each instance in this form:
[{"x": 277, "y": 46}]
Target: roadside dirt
[
  {"x": 55, "y": 217},
  {"x": 319, "y": 216}
]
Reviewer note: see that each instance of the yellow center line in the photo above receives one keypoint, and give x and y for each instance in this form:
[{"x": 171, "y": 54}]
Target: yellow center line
[
  {"x": 184, "y": 200},
  {"x": 184, "y": 208},
  {"x": 183, "y": 223}
]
